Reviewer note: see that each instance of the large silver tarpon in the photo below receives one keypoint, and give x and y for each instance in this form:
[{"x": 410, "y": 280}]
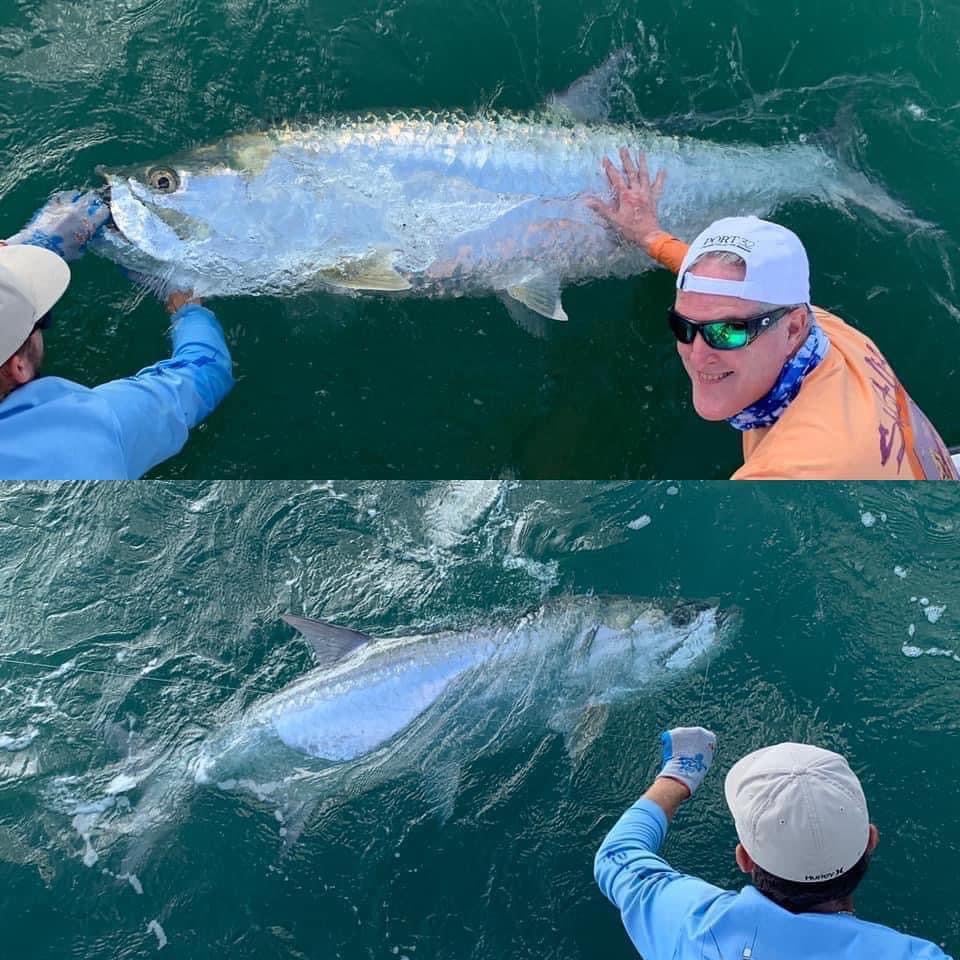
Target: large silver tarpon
[
  {"x": 571, "y": 654},
  {"x": 436, "y": 205},
  {"x": 429, "y": 703}
]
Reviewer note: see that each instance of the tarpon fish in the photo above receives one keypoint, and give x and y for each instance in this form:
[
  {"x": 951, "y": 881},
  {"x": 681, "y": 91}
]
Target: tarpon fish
[
  {"x": 363, "y": 694},
  {"x": 439, "y": 205},
  {"x": 371, "y": 711}
]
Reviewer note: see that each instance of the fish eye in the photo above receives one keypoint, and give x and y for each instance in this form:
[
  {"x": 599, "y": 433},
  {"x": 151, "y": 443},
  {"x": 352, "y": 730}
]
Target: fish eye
[{"x": 163, "y": 180}]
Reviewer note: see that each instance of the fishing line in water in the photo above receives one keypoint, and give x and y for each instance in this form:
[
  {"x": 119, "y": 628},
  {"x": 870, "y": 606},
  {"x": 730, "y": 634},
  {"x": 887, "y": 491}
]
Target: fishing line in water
[
  {"x": 138, "y": 676},
  {"x": 703, "y": 689}
]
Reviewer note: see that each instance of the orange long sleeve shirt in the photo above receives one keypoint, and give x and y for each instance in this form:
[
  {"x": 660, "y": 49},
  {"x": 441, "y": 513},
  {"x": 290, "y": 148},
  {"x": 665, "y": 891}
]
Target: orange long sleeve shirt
[{"x": 851, "y": 420}]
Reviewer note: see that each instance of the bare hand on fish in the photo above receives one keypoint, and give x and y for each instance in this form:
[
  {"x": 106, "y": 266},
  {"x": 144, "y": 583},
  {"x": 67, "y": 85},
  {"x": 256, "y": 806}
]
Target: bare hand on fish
[
  {"x": 180, "y": 298},
  {"x": 633, "y": 209}
]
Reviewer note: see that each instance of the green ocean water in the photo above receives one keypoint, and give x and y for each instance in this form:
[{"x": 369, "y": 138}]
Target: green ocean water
[
  {"x": 373, "y": 388},
  {"x": 141, "y": 620}
]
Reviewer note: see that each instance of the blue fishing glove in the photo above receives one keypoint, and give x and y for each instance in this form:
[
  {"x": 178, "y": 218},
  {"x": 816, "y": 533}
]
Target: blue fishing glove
[
  {"x": 65, "y": 223},
  {"x": 687, "y": 755}
]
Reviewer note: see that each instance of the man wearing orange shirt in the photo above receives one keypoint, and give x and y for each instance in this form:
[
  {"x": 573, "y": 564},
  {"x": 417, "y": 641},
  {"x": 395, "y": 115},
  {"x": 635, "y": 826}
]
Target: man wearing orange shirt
[{"x": 813, "y": 397}]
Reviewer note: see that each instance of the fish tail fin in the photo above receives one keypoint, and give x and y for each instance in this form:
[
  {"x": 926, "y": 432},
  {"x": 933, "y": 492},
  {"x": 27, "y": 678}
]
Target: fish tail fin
[
  {"x": 852, "y": 187},
  {"x": 853, "y": 191}
]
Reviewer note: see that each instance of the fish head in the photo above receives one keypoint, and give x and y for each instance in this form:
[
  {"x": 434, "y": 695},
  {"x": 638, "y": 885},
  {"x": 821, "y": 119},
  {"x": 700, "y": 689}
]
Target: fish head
[
  {"x": 230, "y": 217},
  {"x": 623, "y": 634},
  {"x": 205, "y": 208},
  {"x": 162, "y": 210}
]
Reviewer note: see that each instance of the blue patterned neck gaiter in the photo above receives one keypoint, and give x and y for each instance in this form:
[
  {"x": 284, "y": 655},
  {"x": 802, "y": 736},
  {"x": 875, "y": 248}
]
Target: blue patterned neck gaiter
[{"x": 770, "y": 407}]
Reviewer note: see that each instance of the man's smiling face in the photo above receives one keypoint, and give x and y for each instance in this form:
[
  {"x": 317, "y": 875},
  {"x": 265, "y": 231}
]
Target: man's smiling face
[{"x": 727, "y": 381}]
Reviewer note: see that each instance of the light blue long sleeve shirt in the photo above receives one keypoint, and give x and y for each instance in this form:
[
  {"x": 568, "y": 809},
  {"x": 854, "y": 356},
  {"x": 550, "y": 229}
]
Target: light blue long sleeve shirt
[
  {"x": 671, "y": 916},
  {"x": 54, "y": 429}
]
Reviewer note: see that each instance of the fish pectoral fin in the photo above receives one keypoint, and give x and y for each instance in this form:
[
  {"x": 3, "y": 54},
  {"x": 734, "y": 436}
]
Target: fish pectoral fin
[
  {"x": 375, "y": 272},
  {"x": 330, "y": 643},
  {"x": 525, "y": 318},
  {"x": 588, "y": 727},
  {"x": 542, "y": 295}
]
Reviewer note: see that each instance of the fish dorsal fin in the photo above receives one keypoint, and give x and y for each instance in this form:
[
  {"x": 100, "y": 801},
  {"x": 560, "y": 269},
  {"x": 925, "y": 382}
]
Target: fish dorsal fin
[
  {"x": 589, "y": 99},
  {"x": 541, "y": 294},
  {"x": 374, "y": 272},
  {"x": 330, "y": 643}
]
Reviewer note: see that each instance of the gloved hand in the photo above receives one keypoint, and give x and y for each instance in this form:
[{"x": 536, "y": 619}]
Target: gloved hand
[
  {"x": 65, "y": 223},
  {"x": 687, "y": 754}
]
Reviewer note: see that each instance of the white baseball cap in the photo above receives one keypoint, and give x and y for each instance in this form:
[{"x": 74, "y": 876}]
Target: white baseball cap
[
  {"x": 778, "y": 270},
  {"x": 799, "y": 810},
  {"x": 32, "y": 280}
]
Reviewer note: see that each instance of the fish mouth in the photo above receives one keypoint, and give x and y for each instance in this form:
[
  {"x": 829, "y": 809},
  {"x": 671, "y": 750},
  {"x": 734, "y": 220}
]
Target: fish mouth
[
  {"x": 105, "y": 192},
  {"x": 106, "y": 195}
]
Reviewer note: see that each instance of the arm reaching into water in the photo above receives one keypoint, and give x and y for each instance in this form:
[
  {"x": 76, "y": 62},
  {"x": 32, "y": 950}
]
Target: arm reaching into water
[
  {"x": 649, "y": 893},
  {"x": 156, "y": 408},
  {"x": 632, "y": 211}
]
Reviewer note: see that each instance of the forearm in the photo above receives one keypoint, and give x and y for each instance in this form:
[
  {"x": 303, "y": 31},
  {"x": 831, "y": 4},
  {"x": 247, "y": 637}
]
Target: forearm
[
  {"x": 668, "y": 794},
  {"x": 201, "y": 355},
  {"x": 155, "y": 409}
]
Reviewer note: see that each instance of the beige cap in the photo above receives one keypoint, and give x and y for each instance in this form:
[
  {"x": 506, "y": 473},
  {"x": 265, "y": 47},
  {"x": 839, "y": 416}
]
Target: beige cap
[
  {"x": 32, "y": 280},
  {"x": 799, "y": 810}
]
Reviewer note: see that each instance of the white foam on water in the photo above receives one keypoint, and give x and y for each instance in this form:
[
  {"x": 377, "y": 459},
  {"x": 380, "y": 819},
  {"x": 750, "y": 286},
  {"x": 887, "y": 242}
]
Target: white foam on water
[
  {"x": 93, "y": 808},
  {"x": 901, "y": 572},
  {"x": 61, "y": 670},
  {"x": 21, "y": 742},
  {"x": 85, "y": 817},
  {"x": 672, "y": 491},
  {"x": 934, "y": 613},
  {"x": 867, "y": 518},
  {"x": 545, "y": 573},
  {"x": 457, "y": 508},
  {"x": 910, "y": 651},
  {"x": 83, "y": 825},
  {"x": 640, "y": 522},
  {"x": 133, "y": 880},
  {"x": 210, "y": 499},
  {"x": 121, "y": 784},
  {"x": 154, "y": 927}
]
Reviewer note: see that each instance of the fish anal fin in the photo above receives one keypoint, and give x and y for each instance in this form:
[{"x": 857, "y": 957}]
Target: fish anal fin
[
  {"x": 330, "y": 643},
  {"x": 375, "y": 272},
  {"x": 542, "y": 295}
]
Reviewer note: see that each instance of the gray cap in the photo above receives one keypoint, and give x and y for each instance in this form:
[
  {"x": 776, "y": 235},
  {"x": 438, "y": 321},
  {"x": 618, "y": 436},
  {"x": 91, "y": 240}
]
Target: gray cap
[
  {"x": 799, "y": 810},
  {"x": 32, "y": 280}
]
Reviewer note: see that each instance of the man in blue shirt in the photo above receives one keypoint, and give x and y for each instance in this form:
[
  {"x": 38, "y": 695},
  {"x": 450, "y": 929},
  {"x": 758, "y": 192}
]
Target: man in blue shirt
[
  {"x": 805, "y": 840},
  {"x": 54, "y": 429}
]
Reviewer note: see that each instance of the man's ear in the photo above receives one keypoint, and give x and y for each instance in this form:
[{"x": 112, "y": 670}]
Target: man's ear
[
  {"x": 17, "y": 371},
  {"x": 797, "y": 326},
  {"x": 744, "y": 861}
]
